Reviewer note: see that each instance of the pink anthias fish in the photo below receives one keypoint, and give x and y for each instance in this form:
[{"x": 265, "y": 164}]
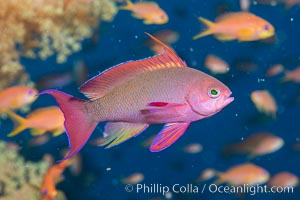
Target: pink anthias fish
[{"x": 132, "y": 95}]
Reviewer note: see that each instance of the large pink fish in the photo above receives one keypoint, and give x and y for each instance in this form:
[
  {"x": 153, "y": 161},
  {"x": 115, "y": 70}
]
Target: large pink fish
[{"x": 132, "y": 95}]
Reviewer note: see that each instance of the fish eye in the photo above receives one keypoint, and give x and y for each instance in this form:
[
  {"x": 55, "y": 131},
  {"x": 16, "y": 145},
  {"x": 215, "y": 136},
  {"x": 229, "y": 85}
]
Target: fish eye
[
  {"x": 266, "y": 27},
  {"x": 214, "y": 92},
  {"x": 30, "y": 92}
]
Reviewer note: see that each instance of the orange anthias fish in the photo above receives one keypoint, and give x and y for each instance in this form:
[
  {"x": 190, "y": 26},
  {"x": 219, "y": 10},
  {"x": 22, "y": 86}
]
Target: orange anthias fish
[
  {"x": 293, "y": 75},
  {"x": 150, "y": 12},
  {"x": 247, "y": 173},
  {"x": 284, "y": 179},
  {"x": 132, "y": 95},
  {"x": 258, "y": 144},
  {"x": 133, "y": 179},
  {"x": 193, "y": 148},
  {"x": 16, "y": 97},
  {"x": 207, "y": 174},
  {"x": 264, "y": 102},
  {"x": 216, "y": 65},
  {"x": 275, "y": 70},
  {"x": 49, "y": 119},
  {"x": 242, "y": 26},
  {"x": 48, "y": 189}
]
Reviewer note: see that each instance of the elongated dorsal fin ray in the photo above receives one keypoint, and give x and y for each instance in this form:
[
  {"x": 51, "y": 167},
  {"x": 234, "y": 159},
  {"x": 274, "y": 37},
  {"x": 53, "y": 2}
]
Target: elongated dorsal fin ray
[{"x": 106, "y": 81}]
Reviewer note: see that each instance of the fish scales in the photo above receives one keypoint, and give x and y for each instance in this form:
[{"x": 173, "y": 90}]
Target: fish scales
[{"x": 125, "y": 102}]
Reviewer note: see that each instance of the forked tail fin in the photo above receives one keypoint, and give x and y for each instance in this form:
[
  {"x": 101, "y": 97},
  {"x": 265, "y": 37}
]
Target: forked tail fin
[
  {"x": 78, "y": 123},
  {"x": 22, "y": 123},
  {"x": 209, "y": 29}
]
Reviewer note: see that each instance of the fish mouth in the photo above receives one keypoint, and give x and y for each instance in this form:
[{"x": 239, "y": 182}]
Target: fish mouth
[
  {"x": 228, "y": 100},
  {"x": 225, "y": 101},
  {"x": 266, "y": 34}
]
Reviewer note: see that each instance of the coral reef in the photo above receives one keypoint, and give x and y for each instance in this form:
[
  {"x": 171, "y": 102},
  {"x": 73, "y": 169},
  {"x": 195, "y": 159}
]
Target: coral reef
[
  {"x": 43, "y": 28},
  {"x": 17, "y": 177}
]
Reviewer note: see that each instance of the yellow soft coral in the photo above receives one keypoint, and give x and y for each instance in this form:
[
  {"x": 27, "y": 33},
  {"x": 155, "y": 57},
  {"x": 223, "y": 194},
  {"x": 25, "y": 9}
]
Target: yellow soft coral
[
  {"x": 46, "y": 27},
  {"x": 17, "y": 176}
]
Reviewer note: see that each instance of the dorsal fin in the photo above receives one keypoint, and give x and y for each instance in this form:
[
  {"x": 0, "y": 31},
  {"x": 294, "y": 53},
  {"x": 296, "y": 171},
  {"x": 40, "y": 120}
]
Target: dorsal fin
[
  {"x": 103, "y": 83},
  {"x": 230, "y": 16}
]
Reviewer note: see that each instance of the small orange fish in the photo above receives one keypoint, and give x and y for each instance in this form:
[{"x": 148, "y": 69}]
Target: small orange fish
[
  {"x": 264, "y": 102},
  {"x": 241, "y": 26},
  {"x": 258, "y": 144},
  {"x": 274, "y": 70},
  {"x": 247, "y": 173},
  {"x": 193, "y": 148},
  {"x": 48, "y": 189},
  {"x": 216, "y": 65},
  {"x": 40, "y": 121},
  {"x": 149, "y": 11},
  {"x": 207, "y": 174},
  {"x": 284, "y": 179},
  {"x": 133, "y": 178},
  {"x": 16, "y": 97},
  {"x": 293, "y": 75}
]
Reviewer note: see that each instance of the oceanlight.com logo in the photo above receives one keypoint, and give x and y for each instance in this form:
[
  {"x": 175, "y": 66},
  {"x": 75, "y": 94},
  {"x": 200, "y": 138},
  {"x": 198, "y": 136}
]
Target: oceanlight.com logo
[
  {"x": 157, "y": 188},
  {"x": 247, "y": 189}
]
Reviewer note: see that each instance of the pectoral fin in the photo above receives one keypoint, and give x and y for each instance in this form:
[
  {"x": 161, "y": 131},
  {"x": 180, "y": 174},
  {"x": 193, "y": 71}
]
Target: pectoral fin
[
  {"x": 118, "y": 132},
  {"x": 170, "y": 133}
]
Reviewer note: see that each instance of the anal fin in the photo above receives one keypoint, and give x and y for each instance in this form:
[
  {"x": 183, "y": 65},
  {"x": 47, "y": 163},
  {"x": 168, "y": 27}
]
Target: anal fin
[
  {"x": 224, "y": 37},
  {"x": 170, "y": 133},
  {"x": 118, "y": 132},
  {"x": 57, "y": 132},
  {"x": 35, "y": 132}
]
